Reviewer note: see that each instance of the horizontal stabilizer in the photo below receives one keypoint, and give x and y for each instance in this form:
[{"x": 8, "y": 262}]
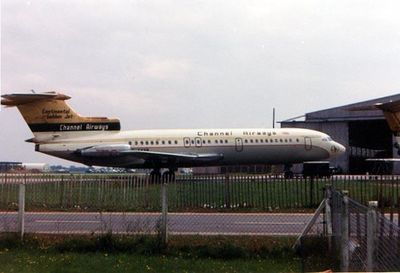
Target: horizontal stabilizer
[
  {"x": 393, "y": 106},
  {"x": 20, "y": 99},
  {"x": 391, "y": 111},
  {"x": 362, "y": 108}
]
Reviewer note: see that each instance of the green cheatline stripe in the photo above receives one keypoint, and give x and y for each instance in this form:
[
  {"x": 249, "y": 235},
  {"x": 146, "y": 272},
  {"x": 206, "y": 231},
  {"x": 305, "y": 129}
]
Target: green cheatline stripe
[{"x": 74, "y": 127}]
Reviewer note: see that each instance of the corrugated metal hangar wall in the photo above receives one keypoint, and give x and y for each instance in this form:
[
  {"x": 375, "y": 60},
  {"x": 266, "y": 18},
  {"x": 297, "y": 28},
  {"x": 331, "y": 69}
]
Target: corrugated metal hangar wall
[{"x": 365, "y": 134}]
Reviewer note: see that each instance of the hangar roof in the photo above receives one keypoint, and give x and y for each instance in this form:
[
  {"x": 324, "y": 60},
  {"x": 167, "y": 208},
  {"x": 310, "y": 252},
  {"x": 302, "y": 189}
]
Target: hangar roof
[{"x": 355, "y": 111}]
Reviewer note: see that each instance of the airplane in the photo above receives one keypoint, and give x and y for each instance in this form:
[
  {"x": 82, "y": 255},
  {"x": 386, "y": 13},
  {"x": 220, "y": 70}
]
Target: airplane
[
  {"x": 98, "y": 141},
  {"x": 391, "y": 112}
]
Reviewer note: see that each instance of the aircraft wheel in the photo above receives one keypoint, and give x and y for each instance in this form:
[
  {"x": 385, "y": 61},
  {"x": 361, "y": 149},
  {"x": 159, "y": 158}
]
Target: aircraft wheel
[
  {"x": 155, "y": 176},
  {"x": 289, "y": 175},
  {"x": 169, "y": 176}
]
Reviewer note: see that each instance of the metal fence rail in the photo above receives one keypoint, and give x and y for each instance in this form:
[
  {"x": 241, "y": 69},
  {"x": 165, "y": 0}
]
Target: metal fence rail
[
  {"x": 134, "y": 205},
  {"x": 132, "y": 192}
]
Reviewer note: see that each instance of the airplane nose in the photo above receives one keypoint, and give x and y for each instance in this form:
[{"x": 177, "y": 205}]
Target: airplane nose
[
  {"x": 341, "y": 148},
  {"x": 337, "y": 149}
]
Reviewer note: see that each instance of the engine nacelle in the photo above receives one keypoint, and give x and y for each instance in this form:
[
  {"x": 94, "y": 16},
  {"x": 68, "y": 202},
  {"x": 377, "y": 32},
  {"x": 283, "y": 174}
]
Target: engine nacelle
[{"x": 105, "y": 150}]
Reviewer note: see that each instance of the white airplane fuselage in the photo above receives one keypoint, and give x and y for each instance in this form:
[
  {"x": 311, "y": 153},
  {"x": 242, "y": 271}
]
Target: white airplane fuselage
[
  {"x": 236, "y": 146},
  {"x": 98, "y": 141}
]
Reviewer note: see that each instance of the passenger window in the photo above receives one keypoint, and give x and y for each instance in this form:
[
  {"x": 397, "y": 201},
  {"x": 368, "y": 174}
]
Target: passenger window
[
  {"x": 246, "y": 141},
  {"x": 141, "y": 142},
  {"x": 256, "y": 140},
  {"x": 251, "y": 141},
  {"x": 147, "y": 143},
  {"x": 151, "y": 142},
  {"x": 226, "y": 141},
  {"x": 216, "y": 141},
  {"x": 221, "y": 141},
  {"x": 169, "y": 142},
  {"x": 157, "y": 142},
  {"x": 261, "y": 140},
  {"x": 209, "y": 141},
  {"x": 163, "y": 142},
  {"x": 176, "y": 142}
]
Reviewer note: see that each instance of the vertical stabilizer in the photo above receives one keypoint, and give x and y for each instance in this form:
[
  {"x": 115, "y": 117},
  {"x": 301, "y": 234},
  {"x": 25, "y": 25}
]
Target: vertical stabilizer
[
  {"x": 48, "y": 112},
  {"x": 391, "y": 111}
]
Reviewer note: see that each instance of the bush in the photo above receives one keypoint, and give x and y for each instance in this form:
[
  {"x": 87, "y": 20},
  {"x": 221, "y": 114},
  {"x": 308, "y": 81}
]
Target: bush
[{"x": 219, "y": 247}]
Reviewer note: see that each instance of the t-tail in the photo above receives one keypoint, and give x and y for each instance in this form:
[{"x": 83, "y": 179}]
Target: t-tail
[
  {"x": 391, "y": 111},
  {"x": 50, "y": 118}
]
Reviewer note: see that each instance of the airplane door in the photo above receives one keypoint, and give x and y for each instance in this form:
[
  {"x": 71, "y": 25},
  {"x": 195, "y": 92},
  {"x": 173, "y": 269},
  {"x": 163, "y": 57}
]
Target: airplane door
[
  {"x": 238, "y": 144},
  {"x": 307, "y": 143}
]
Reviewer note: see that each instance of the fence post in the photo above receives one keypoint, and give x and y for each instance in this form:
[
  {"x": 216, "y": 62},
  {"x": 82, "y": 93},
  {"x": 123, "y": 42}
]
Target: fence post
[
  {"x": 21, "y": 208},
  {"x": 371, "y": 233},
  {"x": 328, "y": 215},
  {"x": 344, "y": 263},
  {"x": 227, "y": 195},
  {"x": 311, "y": 190},
  {"x": 164, "y": 216}
]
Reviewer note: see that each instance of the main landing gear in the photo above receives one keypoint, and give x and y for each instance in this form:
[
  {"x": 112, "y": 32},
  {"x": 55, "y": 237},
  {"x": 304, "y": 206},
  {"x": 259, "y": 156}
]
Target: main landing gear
[
  {"x": 155, "y": 176},
  {"x": 168, "y": 176}
]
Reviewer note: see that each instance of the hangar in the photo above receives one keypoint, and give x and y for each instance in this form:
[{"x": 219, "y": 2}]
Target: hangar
[{"x": 365, "y": 134}]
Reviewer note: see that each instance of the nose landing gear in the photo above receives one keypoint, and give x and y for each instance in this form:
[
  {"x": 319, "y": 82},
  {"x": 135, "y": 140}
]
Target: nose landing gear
[{"x": 288, "y": 171}]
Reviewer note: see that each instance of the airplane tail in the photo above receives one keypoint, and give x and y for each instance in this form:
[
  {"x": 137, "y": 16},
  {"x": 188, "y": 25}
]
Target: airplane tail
[
  {"x": 391, "y": 111},
  {"x": 48, "y": 113}
]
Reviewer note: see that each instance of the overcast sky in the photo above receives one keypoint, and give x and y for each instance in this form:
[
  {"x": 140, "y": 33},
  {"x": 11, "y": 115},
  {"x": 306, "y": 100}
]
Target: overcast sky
[{"x": 195, "y": 64}]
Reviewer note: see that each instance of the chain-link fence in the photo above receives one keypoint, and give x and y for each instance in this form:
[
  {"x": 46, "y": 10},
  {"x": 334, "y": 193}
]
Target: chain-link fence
[{"x": 355, "y": 237}]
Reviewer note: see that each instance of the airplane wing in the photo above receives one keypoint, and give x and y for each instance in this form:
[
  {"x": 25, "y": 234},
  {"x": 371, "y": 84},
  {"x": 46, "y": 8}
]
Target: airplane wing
[
  {"x": 153, "y": 155},
  {"x": 383, "y": 159},
  {"x": 124, "y": 150}
]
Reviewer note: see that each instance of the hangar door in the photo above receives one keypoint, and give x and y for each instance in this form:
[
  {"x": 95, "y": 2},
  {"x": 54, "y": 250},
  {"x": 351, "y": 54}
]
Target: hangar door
[{"x": 368, "y": 139}]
